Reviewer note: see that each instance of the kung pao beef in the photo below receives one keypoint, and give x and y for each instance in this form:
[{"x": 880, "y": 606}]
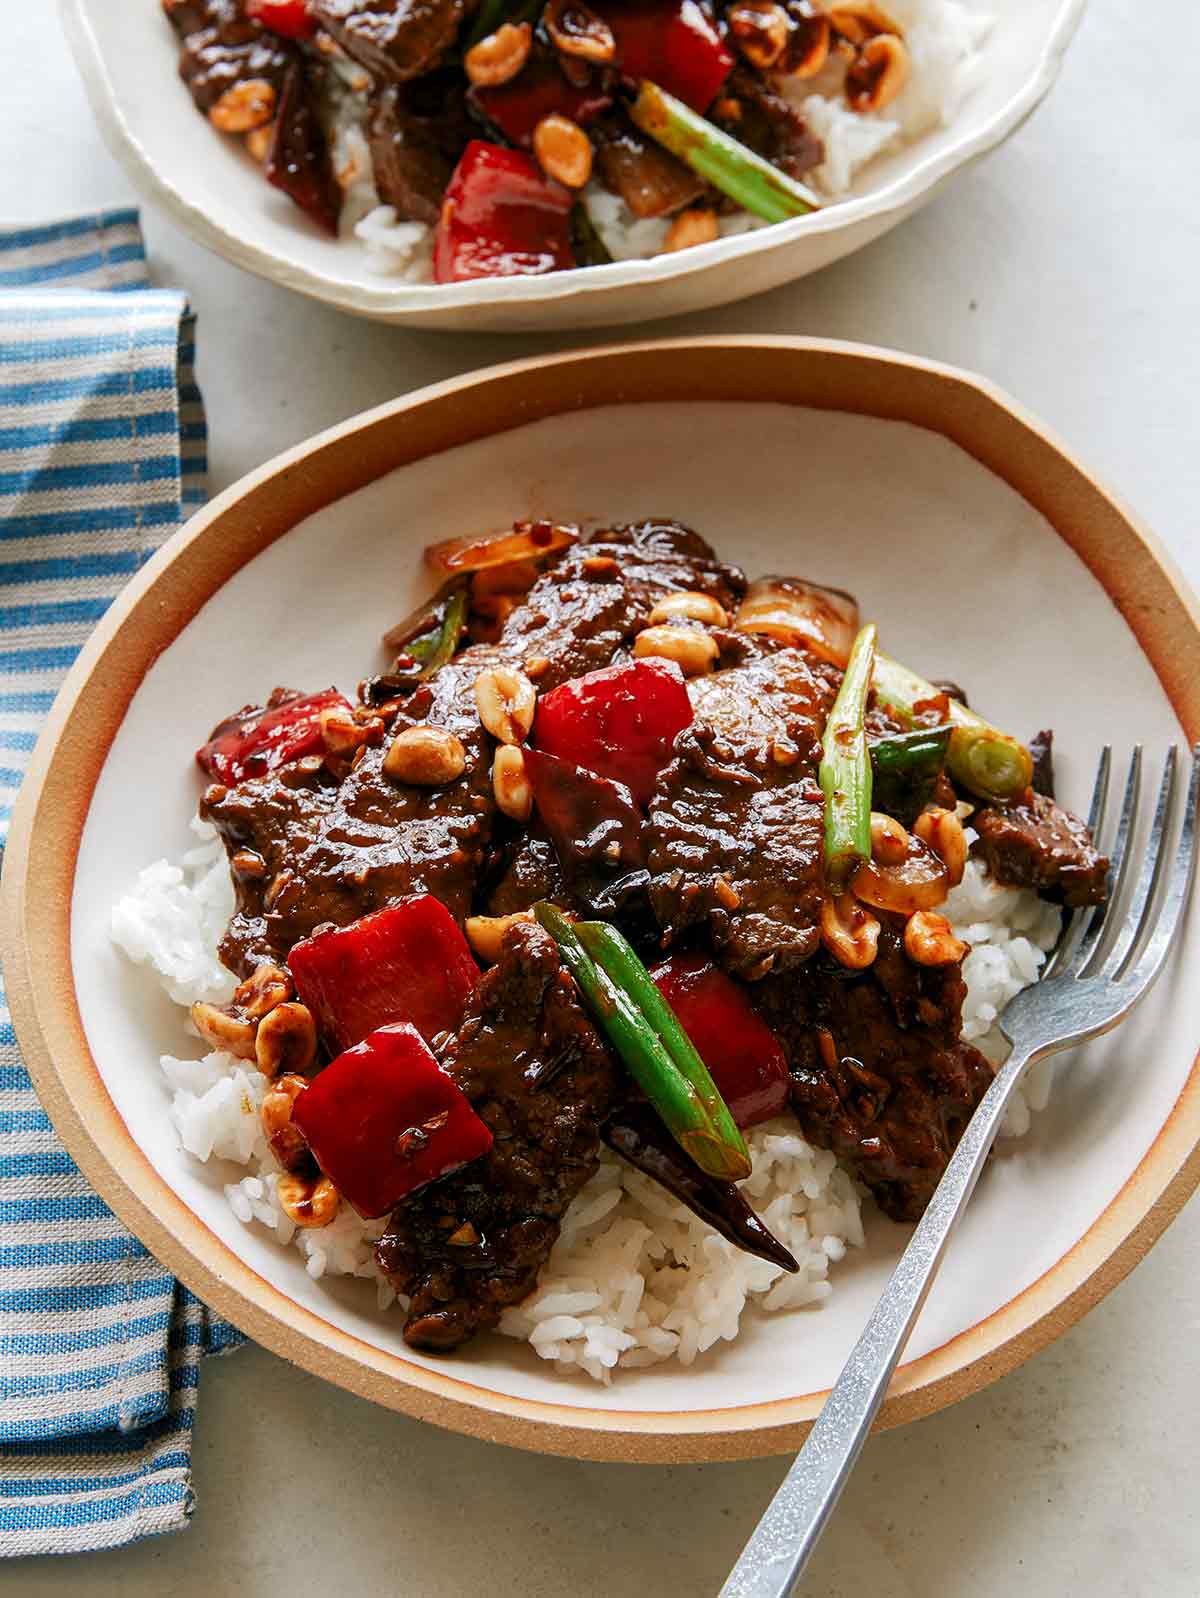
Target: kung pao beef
[
  {"x": 487, "y": 119},
  {"x": 696, "y": 833}
]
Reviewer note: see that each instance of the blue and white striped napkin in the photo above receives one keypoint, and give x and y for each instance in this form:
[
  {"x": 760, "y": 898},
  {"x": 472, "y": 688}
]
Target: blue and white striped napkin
[{"x": 102, "y": 445}]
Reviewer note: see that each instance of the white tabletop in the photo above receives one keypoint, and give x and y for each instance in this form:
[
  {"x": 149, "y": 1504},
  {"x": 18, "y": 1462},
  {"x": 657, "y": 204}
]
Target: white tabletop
[{"x": 1067, "y": 269}]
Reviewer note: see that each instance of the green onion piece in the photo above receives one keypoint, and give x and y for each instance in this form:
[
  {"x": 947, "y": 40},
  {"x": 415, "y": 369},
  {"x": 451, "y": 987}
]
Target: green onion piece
[
  {"x": 434, "y": 649},
  {"x": 845, "y": 773},
  {"x": 721, "y": 1150},
  {"x": 988, "y": 762},
  {"x": 683, "y": 1110},
  {"x": 920, "y": 752},
  {"x": 590, "y": 248},
  {"x": 728, "y": 165}
]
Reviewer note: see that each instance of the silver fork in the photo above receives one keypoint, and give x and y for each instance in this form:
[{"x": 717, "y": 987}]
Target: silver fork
[{"x": 1104, "y": 964}]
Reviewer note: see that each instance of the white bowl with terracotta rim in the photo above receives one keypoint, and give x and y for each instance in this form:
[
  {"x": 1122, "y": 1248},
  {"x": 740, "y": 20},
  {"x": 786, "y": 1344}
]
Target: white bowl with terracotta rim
[
  {"x": 209, "y": 186},
  {"x": 984, "y": 550}
]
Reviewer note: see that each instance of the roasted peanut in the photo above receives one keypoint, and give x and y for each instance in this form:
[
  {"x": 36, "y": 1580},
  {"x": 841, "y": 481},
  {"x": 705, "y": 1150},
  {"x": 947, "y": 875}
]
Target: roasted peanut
[
  {"x": 928, "y": 940},
  {"x": 308, "y": 1203},
  {"x": 697, "y": 225},
  {"x": 286, "y": 1041},
  {"x": 284, "y": 1137},
  {"x": 889, "y": 841},
  {"x": 342, "y": 732},
  {"x": 943, "y": 832},
  {"x": 427, "y": 756},
  {"x": 760, "y": 29},
  {"x": 861, "y": 21},
  {"x": 262, "y": 990},
  {"x": 808, "y": 47},
  {"x": 223, "y": 1030},
  {"x": 510, "y": 783},
  {"x": 500, "y": 56},
  {"x": 689, "y": 607},
  {"x": 485, "y": 934},
  {"x": 578, "y": 32},
  {"x": 506, "y": 700},
  {"x": 258, "y": 142},
  {"x": 877, "y": 74},
  {"x": 247, "y": 105},
  {"x": 692, "y": 651},
  {"x": 849, "y": 932},
  {"x": 563, "y": 150}
]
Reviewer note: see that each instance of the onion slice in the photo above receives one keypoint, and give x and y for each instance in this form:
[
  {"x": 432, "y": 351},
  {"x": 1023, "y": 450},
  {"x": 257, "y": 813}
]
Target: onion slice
[
  {"x": 525, "y": 541},
  {"x": 918, "y": 882},
  {"x": 822, "y": 620}
]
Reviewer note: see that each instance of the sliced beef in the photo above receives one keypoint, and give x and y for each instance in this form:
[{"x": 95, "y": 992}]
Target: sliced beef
[
  {"x": 532, "y": 873},
  {"x": 418, "y": 131},
  {"x": 879, "y": 1074},
  {"x": 768, "y": 123},
  {"x": 736, "y": 822},
  {"x": 222, "y": 47},
  {"x": 331, "y": 852},
  {"x": 536, "y": 1072},
  {"x": 1041, "y": 749},
  {"x": 1040, "y": 845},
  {"x": 299, "y": 161},
  {"x": 648, "y": 178},
  {"x": 393, "y": 39},
  {"x": 588, "y": 608}
]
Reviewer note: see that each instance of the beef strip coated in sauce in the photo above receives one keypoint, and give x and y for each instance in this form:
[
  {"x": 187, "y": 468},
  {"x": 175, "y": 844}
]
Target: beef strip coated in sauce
[
  {"x": 334, "y": 852},
  {"x": 393, "y": 39},
  {"x": 223, "y": 47},
  {"x": 735, "y": 834},
  {"x": 1037, "y": 844},
  {"x": 418, "y": 131},
  {"x": 770, "y": 124},
  {"x": 299, "y": 160},
  {"x": 535, "y": 1070},
  {"x": 650, "y": 180},
  {"x": 587, "y": 609},
  {"x": 533, "y": 872},
  {"x": 1041, "y": 750},
  {"x": 880, "y": 1075}
]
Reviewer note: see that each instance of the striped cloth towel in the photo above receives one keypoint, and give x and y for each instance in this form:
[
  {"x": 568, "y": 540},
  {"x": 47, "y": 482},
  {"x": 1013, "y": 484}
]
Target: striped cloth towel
[{"x": 102, "y": 445}]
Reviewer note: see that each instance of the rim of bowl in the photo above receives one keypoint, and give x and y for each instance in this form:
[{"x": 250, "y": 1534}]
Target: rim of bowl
[
  {"x": 888, "y": 202},
  {"x": 194, "y": 564}
]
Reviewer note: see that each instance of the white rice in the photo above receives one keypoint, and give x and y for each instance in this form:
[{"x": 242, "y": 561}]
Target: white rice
[
  {"x": 635, "y": 1278},
  {"x": 944, "y": 40}
]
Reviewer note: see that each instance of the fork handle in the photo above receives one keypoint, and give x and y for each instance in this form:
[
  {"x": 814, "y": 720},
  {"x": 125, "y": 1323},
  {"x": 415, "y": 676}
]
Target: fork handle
[{"x": 783, "y": 1541}]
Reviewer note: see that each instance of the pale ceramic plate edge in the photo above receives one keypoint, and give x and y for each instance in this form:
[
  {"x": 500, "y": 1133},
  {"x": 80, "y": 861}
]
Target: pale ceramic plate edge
[
  {"x": 874, "y": 212},
  {"x": 45, "y": 1006}
]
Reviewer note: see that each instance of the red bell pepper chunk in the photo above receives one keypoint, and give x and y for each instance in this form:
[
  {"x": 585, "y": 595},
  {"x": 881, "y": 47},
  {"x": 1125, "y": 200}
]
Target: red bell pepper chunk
[
  {"x": 621, "y": 721},
  {"x": 384, "y": 1119},
  {"x": 741, "y": 1052},
  {"x": 674, "y": 43},
  {"x": 502, "y": 217},
  {"x": 408, "y": 963},
  {"x": 539, "y": 89},
  {"x": 291, "y": 18},
  {"x": 261, "y": 737}
]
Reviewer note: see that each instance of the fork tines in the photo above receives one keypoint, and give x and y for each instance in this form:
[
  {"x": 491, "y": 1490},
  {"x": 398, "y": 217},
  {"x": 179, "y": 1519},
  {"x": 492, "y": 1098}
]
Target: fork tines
[{"x": 1126, "y": 939}]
